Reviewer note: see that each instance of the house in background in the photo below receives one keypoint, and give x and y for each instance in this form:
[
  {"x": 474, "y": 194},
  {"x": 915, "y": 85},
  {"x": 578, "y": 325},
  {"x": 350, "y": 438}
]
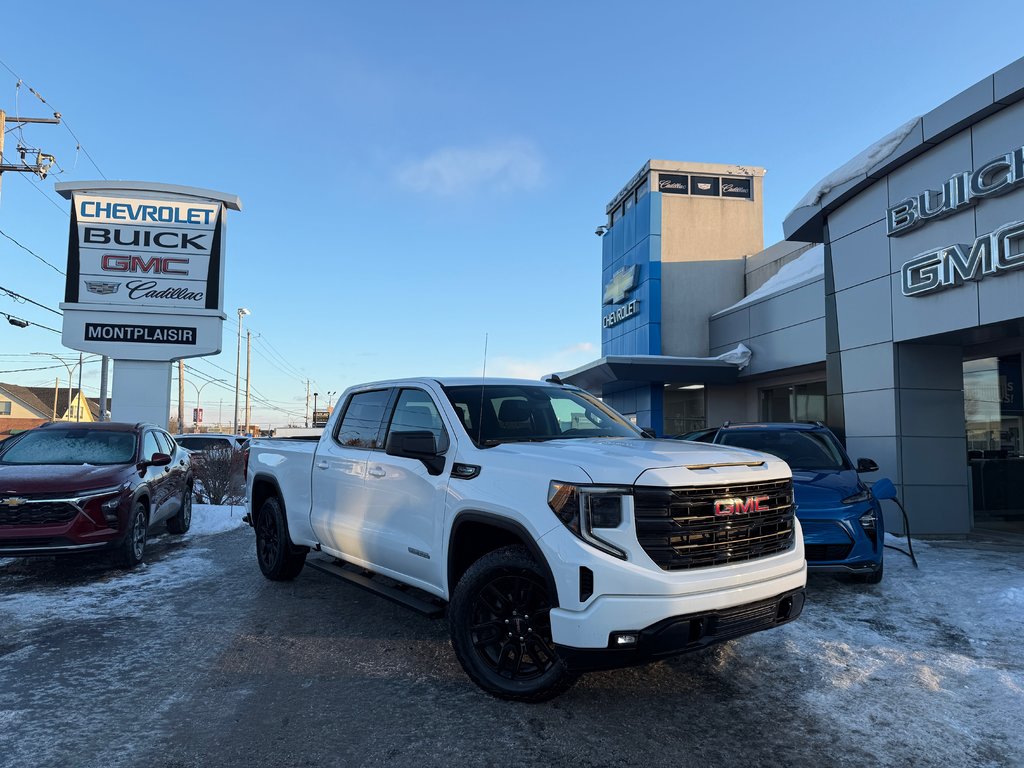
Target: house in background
[{"x": 23, "y": 408}]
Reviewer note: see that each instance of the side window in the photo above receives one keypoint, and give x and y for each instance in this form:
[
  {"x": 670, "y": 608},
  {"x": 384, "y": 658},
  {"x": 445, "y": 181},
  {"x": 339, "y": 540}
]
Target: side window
[
  {"x": 360, "y": 425},
  {"x": 150, "y": 445},
  {"x": 165, "y": 443},
  {"x": 415, "y": 412}
]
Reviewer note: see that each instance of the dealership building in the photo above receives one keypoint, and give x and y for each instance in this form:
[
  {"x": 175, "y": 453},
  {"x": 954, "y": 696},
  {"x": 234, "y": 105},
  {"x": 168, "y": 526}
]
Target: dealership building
[{"x": 893, "y": 312}]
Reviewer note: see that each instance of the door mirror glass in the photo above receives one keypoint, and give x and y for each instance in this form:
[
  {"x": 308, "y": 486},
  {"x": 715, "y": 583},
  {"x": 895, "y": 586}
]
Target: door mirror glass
[
  {"x": 866, "y": 465},
  {"x": 883, "y": 489}
]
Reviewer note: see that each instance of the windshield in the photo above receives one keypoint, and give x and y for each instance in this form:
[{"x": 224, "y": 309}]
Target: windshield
[
  {"x": 800, "y": 449},
  {"x": 502, "y": 413},
  {"x": 71, "y": 446}
]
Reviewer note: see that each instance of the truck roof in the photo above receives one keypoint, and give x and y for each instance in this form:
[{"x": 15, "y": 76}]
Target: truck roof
[{"x": 464, "y": 381}]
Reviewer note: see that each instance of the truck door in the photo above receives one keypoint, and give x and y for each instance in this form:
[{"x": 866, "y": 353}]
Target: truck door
[
  {"x": 340, "y": 501},
  {"x": 406, "y": 517}
]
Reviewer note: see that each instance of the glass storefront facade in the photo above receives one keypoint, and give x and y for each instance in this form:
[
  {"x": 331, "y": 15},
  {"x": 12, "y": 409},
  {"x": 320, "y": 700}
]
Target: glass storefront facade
[
  {"x": 994, "y": 418},
  {"x": 798, "y": 402}
]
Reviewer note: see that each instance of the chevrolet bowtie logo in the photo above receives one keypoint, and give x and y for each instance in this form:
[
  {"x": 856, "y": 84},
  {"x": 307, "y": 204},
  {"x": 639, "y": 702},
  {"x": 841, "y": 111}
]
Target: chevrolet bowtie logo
[
  {"x": 13, "y": 501},
  {"x": 622, "y": 283}
]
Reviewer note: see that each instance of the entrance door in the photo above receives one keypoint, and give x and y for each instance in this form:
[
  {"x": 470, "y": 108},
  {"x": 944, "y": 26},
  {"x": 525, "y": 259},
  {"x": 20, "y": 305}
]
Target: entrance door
[{"x": 994, "y": 414}]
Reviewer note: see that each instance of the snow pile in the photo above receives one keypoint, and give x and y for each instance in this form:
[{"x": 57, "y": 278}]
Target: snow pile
[
  {"x": 858, "y": 166},
  {"x": 215, "y": 518},
  {"x": 740, "y": 356},
  {"x": 808, "y": 265}
]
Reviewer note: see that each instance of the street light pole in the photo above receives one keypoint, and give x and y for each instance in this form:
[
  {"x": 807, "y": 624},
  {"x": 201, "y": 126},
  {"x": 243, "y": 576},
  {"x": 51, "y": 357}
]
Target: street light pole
[
  {"x": 315, "y": 396},
  {"x": 199, "y": 392},
  {"x": 61, "y": 361},
  {"x": 242, "y": 312}
]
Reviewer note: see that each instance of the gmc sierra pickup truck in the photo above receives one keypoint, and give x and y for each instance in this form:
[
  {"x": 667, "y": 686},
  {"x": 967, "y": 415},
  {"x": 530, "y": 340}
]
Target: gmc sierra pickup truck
[{"x": 558, "y": 536}]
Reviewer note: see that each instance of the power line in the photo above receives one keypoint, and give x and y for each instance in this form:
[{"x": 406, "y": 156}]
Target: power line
[
  {"x": 64, "y": 122},
  {"x": 18, "y": 322},
  {"x": 19, "y": 297},
  {"x": 33, "y": 253},
  {"x": 46, "y": 197}
]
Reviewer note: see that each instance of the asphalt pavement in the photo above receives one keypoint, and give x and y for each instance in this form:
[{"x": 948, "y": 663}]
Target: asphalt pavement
[{"x": 196, "y": 660}]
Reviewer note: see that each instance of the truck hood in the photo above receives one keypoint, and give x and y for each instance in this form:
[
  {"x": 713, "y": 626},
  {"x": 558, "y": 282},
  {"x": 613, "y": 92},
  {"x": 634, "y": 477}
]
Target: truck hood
[
  {"x": 629, "y": 461},
  {"x": 52, "y": 479}
]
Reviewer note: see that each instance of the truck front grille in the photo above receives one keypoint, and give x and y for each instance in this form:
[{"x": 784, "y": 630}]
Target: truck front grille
[
  {"x": 37, "y": 513},
  {"x": 678, "y": 527}
]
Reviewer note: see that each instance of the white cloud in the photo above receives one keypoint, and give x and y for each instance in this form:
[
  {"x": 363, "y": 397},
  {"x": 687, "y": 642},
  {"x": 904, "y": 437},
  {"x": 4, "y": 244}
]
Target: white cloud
[
  {"x": 508, "y": 165},
  {"x": 534, "y": 368}
]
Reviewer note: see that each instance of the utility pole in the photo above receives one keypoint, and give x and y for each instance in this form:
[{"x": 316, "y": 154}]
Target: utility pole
[
  {"x": 248, "y": 371},
  {"x": 104, "y": 361},
  {"x": 56, "y": 382},
  {"x": 181, "y": 397},
  {"x": 43, "y": 160},
  {"x": 307, "y": 403},
  {"x": 78, "y": 408}
]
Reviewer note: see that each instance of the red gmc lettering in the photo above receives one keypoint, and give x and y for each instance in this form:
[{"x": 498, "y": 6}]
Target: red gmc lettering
[
  {"x": 157, "y": 265},
  {"x": 741, "y": 506}
]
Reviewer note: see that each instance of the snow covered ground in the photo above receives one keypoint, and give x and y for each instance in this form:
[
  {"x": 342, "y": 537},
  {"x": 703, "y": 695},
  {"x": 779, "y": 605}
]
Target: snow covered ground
[
  {"x": 930, "y": 658},
  {"x": 923, "y": 669}
]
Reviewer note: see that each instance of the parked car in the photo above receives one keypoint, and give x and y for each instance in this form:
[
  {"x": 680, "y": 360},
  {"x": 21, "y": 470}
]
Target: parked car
[
  {"x": 562, "y": 538},
  {"x": 204, "y": 441},
  {"x": 842, "y": 520},
  {"x": 89, "y": 487}
]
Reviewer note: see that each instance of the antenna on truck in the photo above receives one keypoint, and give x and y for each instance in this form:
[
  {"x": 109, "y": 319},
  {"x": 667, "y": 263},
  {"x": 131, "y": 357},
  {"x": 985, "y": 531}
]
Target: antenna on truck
[{"x": 480, "y": 419}]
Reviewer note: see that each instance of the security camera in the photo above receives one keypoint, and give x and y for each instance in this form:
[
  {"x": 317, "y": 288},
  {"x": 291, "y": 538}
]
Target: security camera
[{"x": 601, "y": 230}]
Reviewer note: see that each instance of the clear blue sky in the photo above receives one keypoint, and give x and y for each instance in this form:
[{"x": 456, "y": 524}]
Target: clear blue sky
[{"x": 416, "y": 174}]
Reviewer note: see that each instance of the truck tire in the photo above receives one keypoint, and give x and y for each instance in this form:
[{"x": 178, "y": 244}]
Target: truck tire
[
  {"x": 179, "y": 524},
  {"x": 501, "y": 630},
  {"x": 278, "y": 559}
]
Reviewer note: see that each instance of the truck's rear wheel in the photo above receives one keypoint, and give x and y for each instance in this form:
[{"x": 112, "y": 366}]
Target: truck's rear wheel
[
  {"x": 501, "y": 629},
  {"x": 278, "y": 559}
]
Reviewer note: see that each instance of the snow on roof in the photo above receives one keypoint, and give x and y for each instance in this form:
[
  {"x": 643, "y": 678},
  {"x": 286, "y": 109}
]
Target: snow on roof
[
  {"x": 859, "y": 165},
  {"x": 808, "y": 265}
]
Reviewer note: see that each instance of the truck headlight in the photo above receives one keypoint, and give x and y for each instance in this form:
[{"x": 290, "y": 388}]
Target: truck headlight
[{"x": 584, "y": 508}]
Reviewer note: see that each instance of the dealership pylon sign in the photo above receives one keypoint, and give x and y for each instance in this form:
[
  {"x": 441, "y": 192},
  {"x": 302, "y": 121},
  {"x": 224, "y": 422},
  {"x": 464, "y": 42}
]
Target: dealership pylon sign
[{"x": 145, "y": 274}]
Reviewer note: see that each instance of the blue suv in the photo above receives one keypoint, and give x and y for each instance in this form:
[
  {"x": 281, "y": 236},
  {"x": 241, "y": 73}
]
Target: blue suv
[{"x": 841, "y": 519}]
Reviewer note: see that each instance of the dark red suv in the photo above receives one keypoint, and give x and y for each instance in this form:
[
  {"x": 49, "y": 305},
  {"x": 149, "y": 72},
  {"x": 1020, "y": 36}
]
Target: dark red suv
[{"x": 77, "y": 487}]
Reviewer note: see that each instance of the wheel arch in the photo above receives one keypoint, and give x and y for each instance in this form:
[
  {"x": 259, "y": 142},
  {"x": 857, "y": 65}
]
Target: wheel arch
[
  {"x": 474, "y": 534},
  {"x": 264, "y": 486}
]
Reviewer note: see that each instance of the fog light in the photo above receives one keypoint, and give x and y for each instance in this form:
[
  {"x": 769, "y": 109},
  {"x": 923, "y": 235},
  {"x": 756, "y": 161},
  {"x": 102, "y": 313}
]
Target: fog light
[{"x": 623, "y": 639}]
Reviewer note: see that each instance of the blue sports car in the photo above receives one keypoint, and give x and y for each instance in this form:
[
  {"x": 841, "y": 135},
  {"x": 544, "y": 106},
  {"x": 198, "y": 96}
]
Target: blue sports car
[{"x": 841, "y": 519}]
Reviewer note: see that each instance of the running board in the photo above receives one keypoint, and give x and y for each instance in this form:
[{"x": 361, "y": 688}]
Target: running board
[{"x": 394, "y": 594}]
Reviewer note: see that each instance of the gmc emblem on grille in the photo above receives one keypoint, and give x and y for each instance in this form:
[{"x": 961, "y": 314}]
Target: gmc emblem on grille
[{"x": 741, "y": 506}]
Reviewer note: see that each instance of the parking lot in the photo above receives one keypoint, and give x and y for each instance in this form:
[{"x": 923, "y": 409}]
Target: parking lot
[{"x": 195, "y": 660}]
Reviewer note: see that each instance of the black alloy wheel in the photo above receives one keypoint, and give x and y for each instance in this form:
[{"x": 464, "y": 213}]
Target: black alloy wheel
[
  {"x": 279, "y": 560},
  {"x": 511, "y": 628},
  {"x": 500, "y": 625}
]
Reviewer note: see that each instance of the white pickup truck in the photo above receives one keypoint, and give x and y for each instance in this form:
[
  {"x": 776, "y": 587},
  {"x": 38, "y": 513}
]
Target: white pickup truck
[{"x": 559, "y": 537}]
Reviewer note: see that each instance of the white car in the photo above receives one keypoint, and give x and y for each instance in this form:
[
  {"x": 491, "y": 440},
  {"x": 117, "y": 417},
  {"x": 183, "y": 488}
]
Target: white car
[
  {"x": 204, "y": 441},
  {"x": 560, "y": 537}
]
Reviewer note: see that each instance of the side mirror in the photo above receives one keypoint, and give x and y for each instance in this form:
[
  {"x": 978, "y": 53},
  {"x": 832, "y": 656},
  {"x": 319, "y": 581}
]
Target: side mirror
[
  {"x": 419, "y": 445},
  {"x": 156, "y": 460},
  {"x": 866, "y": 465},
  {"x": 648, "y": 432},
  {"x": 883, "y": 489}
]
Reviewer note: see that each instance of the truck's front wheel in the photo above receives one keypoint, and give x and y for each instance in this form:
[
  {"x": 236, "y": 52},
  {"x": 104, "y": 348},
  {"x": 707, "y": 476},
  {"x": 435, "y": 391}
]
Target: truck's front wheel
[
  {"x": 501, "y": 629},
  {"x": 278, "y": 559}
]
